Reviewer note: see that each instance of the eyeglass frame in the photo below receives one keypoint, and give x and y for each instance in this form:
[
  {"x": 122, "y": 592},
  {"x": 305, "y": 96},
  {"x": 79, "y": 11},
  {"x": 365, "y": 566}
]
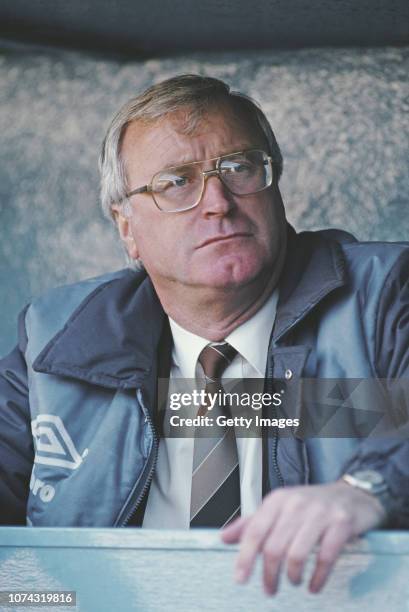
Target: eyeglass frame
[{"x": 206, "y": 174}]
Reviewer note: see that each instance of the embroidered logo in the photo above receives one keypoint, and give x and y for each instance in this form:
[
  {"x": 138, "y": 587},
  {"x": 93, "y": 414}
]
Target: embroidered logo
[{"x": 54, "y": 445}]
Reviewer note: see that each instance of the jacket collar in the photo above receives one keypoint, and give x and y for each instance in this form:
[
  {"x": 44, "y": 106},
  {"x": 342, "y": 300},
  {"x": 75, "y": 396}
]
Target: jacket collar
[
  {"x": 113, "y": 338},
  {"x": 314, "y": 267}
]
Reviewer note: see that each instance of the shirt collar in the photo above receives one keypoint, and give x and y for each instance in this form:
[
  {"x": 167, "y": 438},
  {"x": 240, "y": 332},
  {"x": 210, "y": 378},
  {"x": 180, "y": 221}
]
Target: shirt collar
[
  {"x": 251, "y": 340},
  {"x": 186, "y": 349}
]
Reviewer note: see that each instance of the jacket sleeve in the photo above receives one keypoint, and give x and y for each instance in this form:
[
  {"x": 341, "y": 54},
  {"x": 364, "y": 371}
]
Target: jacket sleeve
[
  {"x": 16, "y": 446},
  {"x": 391, "y": 456}
]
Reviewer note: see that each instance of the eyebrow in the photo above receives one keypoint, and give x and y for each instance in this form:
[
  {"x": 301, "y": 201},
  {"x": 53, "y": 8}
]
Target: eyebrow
[{"x": 180, "y": 164}]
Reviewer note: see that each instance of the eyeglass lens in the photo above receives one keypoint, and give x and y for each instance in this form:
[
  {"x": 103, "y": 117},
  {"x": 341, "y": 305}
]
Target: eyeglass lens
[{"x": 181, "y": 187}]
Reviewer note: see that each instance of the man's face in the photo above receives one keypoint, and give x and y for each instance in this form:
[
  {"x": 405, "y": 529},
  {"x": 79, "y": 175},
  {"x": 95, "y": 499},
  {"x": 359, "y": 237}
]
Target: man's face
[{"x": 227, "y": 240}]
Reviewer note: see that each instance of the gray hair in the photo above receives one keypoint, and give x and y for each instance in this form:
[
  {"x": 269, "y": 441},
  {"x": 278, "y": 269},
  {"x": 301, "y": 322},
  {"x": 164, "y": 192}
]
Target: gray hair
[{"x": 190, "y": 92}]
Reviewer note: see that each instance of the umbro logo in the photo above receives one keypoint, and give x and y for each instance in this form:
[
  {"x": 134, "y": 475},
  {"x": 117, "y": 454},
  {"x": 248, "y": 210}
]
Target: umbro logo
[{"x": 54, "y": 445}]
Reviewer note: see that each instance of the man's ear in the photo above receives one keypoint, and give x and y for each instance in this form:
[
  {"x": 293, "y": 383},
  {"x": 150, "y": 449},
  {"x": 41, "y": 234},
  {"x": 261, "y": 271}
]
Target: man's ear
[{"x": 123, "y": 223}]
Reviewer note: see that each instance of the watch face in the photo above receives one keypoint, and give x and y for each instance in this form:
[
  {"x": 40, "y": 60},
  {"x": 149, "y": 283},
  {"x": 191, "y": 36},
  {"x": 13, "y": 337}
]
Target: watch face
[{"x": 369, "y": 476}]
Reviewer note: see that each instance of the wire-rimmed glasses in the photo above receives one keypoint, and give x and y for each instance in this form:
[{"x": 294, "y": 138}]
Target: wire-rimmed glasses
[{"x": 180, "y": 188}]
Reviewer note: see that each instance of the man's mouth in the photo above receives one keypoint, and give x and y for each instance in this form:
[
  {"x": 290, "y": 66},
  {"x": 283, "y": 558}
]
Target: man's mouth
[{"x": 223, "y": 238}]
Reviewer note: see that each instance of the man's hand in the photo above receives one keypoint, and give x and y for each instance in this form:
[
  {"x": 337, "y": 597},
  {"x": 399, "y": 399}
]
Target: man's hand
[{"x": 291, "y": 521}]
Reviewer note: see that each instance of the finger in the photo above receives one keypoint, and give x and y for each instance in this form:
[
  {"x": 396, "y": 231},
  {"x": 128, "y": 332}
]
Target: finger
[
  {"x": 275, "y": 549},
  {"x": 233, "y": 532},
  {"x": 306, "y": 538},
  {"x": 253, "y": 537},
  {"x": 271, "y": 574},
  {"x": 332, "y": 543}
]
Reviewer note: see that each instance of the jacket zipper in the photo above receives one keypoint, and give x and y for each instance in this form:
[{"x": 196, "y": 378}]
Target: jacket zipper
[
  {"x": 275, "y": 438},
  {"x": 154, "y": 453}
]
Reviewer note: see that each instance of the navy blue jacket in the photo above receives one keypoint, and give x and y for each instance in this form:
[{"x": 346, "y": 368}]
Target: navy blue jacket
[{"x": 78, "y": 440}]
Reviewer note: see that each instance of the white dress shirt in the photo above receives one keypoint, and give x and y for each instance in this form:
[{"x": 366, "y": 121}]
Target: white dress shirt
[{"x": 168, "y": 505}]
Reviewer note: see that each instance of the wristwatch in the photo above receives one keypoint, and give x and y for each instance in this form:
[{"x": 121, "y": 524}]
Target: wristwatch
[{"x": 372, "y": 482}]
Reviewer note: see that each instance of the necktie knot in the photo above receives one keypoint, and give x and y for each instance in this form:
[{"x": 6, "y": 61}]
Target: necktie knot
[{"x": 214, "y": 359}]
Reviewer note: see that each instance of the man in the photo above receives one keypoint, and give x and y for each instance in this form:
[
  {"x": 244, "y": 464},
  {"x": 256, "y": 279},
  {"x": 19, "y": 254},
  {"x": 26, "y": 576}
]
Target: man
[{"x": 190, "y": 175}]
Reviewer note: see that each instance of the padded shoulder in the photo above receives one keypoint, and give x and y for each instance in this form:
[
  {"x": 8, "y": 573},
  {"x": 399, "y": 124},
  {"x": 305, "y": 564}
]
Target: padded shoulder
[{"x": 49, "y": 313}]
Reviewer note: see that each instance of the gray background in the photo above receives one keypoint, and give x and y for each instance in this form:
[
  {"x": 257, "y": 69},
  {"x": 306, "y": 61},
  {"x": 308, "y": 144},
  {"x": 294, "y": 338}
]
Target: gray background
[{"x": 341, "y": 116}]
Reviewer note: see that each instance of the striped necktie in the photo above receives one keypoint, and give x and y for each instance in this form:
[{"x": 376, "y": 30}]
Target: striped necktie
[{"x": 215, "y": 499}]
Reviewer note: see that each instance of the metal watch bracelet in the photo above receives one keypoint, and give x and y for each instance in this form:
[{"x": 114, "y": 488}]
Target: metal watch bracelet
[{"x": 373, "y": 483}]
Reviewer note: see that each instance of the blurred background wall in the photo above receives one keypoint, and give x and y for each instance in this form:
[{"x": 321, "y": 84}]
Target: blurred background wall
[{"x": 331, "y": 76}]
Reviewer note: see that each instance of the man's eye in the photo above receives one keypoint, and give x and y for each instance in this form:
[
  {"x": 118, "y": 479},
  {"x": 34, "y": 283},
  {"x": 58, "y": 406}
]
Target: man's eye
[
  {"x": 180, "y": 181},
  {"x": 170, "y": 181},
  {"x": 235, "y": 167}
]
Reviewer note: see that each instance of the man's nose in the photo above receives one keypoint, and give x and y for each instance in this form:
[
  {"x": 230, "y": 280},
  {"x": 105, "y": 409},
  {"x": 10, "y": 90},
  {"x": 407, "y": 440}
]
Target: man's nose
[{"x": 216, "y": 198}]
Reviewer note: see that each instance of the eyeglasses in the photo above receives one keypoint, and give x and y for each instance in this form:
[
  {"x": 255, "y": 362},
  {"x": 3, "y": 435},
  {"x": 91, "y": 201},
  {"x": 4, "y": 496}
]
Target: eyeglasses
[{"x": 180, "y": 188}]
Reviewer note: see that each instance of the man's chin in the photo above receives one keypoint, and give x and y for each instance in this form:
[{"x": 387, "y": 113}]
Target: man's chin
[{"x": 230, "y": 275}]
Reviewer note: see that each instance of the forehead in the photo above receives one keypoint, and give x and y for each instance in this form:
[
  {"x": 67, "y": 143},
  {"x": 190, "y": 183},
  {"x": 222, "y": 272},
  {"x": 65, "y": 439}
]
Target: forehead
[{"x": 182, "y": 138}]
